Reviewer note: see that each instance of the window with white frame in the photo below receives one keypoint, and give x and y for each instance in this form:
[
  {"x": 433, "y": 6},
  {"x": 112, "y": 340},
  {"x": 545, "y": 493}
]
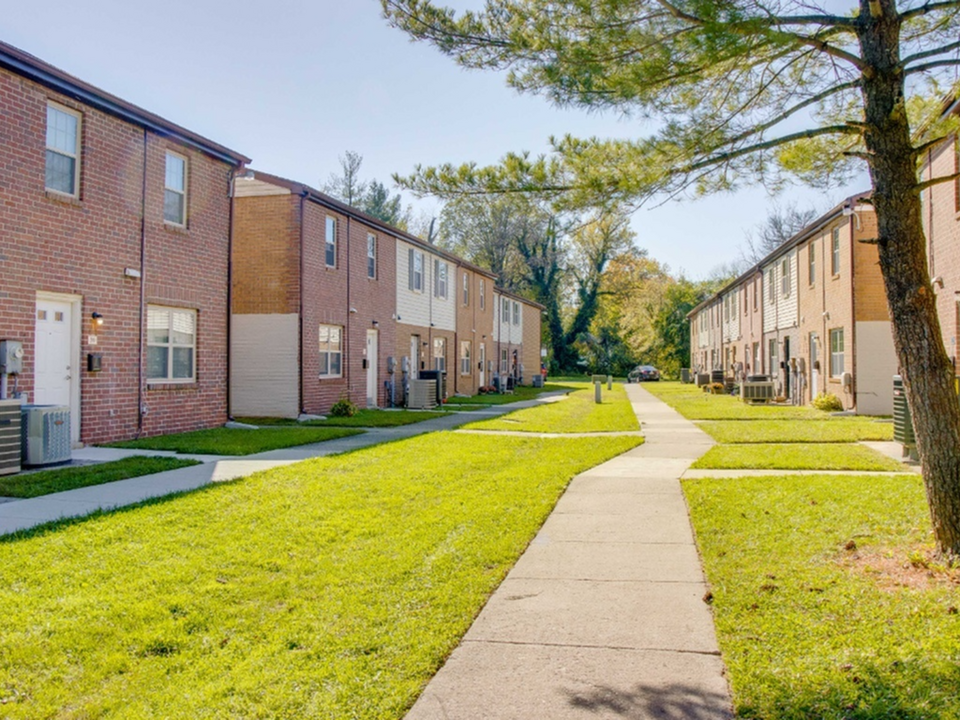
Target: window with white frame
[
  {"x": 440, "y": 354},
  {"x": 464, "y": 357},
  {"x": 811, "y": 263},
  {"x": 171, "y": 344},
  {"x": 416, "y": 270},
  {"x": 771, "y": 286},
  {"x": 504, "y": 360},
  {"x": 63, "y": 150},
  {"x": 483, "y": 296},
  {"x": 505, "y": 311},
  {"x": 772, "y": 358},
  {"x": 785, "y": 276},
  {"x": 331, "y": 350},
  {"x": 836, "y": 352},
  {"x": 371, "y": 255},
  {"x": 835, "y": 255},
  {"x": 516, "y": 313},
  {"x": 175, "y": 190},
  {"x": 466, "y": 289},
  {"x": 440, "y": 271},
  {"x": 330, "y": 242}
]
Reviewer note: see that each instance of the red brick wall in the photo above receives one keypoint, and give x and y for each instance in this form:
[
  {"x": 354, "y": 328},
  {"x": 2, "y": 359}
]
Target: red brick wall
[
  {"x": 266, "y": 256},
  {"x": 81, "y": 247},
  {"x": 329, "y": 296},
  {"x": 474, "y": 325}
]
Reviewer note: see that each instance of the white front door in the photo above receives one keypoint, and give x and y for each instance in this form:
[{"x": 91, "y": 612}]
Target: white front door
[
  {"x": 372, "y": 368},
  {"x": 54, "y": 372},
  {"x": 483, "y": 364}
]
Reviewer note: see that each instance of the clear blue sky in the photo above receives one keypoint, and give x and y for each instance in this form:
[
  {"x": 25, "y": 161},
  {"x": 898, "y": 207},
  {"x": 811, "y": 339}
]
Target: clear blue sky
[{"x": 294, "y": 84}]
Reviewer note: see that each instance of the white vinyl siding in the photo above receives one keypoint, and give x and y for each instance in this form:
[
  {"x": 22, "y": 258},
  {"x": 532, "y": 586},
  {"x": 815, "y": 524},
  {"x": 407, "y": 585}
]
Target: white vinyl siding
[
  {"x": 433, "y": 305},
  {"x": 171, "y": 344},
  {"x": 63, "y": 151}
]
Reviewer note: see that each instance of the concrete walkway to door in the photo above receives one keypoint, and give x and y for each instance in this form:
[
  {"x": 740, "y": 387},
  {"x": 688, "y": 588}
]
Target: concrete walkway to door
[{"x": 603, "y": 616}]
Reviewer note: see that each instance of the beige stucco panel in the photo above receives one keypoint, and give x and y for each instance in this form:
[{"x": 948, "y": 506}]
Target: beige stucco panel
[{"x": 264, "y": 374}]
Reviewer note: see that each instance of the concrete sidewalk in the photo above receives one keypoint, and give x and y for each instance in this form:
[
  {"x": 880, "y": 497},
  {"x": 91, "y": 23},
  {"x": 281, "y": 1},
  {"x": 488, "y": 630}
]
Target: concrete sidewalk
[
  {"x": 603, "y": 616},
  {"x": 16, "y": 514}
]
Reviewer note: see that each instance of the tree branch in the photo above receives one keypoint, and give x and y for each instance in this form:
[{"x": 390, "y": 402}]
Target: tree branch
[
  {"x": 929, "y": 53},
  {"x": 931, "y": 65},
  {"x": 929, "y": 144},
  {"x": 928, "y": 8},
  {"x": 920, "y": 187}
]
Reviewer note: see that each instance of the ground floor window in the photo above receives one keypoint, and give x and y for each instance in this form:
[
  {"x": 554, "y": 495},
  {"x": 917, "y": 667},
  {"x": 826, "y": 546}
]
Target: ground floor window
[
  {"x": 440, "y": 354},
  {"x": 836, "y": 352},
  {"x": 171, "y": 344},
  {"x": 331, "y": 350},
  {"x": 773, "y": 358},
  {"x": 465, "y": 357}
]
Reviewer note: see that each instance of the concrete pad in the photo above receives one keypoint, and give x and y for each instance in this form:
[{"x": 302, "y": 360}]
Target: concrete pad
[
  {"x": 547, "y": 558},
  {"x": 612, "y": 528},
  {"x": 635, "y": 615},
  {"x": 523, "y": 682},
  {"x": 640, "y": 507}
]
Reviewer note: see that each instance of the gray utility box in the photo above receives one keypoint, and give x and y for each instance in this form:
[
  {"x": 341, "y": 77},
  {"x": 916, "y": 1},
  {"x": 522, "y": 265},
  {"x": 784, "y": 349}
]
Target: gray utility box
[
  {"x": 9, "y": 437},
  {"x": 538, "y": 380},
  {"x": 45, "y": 434},
  {"x": 902, "y": 422}
]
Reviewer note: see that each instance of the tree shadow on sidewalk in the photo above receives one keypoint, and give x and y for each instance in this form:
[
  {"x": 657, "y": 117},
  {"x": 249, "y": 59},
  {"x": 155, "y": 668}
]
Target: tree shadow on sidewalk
[{"x": 671, "y": 701}]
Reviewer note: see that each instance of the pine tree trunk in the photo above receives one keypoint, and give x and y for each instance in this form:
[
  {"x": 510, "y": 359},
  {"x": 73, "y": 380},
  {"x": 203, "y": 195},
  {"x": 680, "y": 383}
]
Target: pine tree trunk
[{"x": 927, "y": 372}]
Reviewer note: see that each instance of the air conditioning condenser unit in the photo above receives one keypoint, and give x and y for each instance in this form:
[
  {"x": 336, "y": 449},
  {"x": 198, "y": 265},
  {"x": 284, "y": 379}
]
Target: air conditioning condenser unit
[
  {"x": 45, "y": 434},
  {"x": 9, "y": 436},
  {"x": 757, "y": 392}
]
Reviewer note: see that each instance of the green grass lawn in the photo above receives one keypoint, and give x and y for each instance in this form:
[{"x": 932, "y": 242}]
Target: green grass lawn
[
  {"x": 44, "y": 482},
  {"x": 576, "y": 413},
  {"x": 521, "y": 392},
  {"x": 694, "y": 404},
  {"x": 332, "y": 588},
  {"x": 811, "y": 627},
  {"x": 834, "y": 430},
  {"x": 363, "y": 418},
  {"x": 796, "y": 456},
  {"x": 231, "y": 441}
]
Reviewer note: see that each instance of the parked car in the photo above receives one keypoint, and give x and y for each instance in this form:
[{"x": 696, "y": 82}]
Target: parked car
[{"x": 643, "y": 372}]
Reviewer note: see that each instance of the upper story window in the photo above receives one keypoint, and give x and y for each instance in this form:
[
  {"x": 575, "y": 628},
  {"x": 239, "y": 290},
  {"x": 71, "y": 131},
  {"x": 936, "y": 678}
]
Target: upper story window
[
  {"x": 516, "y": 313},
  {"x": 371, "y": 255},
  {"x": 415, "y": 270},
  {"x": 330, "y": 242},
  {"x": 811, "y": 264},
  {"x": 466, "y": 289},
  {"x": 785, "y": 276},
  {"x": 505, "y": 311},
  {"x": 483, "y": 298},
  {"x": 835, "y": 255},
  {"x": 171, "y": 344},
  {"x": 771, "y": 286},
  {"x": 63, "y": 150},
  {"x": 175, "y": 190},
  {"x": 440, "y": 271}
]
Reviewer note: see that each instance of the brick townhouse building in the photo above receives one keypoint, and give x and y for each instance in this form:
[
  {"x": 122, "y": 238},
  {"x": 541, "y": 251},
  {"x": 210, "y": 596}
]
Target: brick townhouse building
[
  {"x": 516, "y": 336},
  {"x": 314, "y": 301},
  {"x": 811, "y": 315},
  {"x": 114, "y": 256},
  {"x": 475, "y": 310}
]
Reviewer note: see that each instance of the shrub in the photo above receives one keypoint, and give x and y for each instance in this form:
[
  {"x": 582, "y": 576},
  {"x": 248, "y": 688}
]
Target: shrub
[
  {"x": 343, "y": 408},
  {"x": 828, "y": 402},
  {"x": 716, "y": 388}
]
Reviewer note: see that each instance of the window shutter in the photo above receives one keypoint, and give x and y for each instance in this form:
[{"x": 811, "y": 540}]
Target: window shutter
[
  {"x": 436, "y": 278},
  {"x": 410, "y": 267}
]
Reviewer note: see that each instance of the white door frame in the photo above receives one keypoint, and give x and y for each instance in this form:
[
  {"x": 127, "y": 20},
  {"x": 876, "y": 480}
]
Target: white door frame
[
  {"x": 483, "y": 364},
  {"x": 372, "y": 389},
  {"x": 814, "y": 358},
  {"x": 76, "y": 328}
]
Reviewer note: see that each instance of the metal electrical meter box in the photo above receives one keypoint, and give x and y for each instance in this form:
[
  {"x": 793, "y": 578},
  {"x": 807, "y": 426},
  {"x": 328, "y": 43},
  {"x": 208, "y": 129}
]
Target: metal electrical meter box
[{"x": 11, "y": 357}]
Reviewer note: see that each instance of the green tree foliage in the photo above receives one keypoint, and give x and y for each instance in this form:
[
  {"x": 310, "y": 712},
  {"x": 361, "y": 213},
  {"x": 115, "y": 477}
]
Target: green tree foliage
[
  {"x": 744, "y": 91},
  {"x": 371, "y": 197}
]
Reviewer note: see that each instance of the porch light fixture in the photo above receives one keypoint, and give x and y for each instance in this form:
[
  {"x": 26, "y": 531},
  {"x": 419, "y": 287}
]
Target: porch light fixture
[{"x": 97, "y": 319}]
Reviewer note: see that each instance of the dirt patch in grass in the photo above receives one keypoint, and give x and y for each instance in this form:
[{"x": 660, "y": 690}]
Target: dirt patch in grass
[{"x": 914, "y": 567}]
